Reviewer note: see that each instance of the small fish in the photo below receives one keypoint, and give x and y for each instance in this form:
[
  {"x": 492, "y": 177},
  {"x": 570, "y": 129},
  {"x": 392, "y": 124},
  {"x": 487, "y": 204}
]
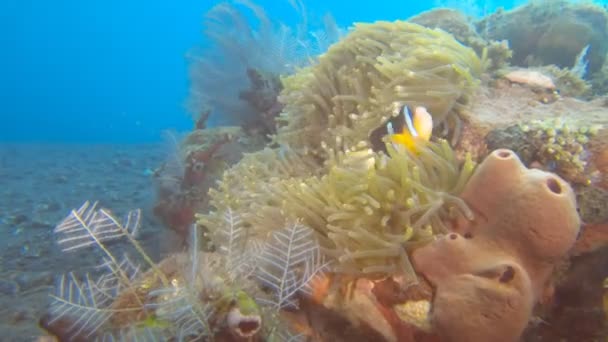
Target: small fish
[
  {"x": 417, "y": 127},
  {"x": 406, "y": 129}
]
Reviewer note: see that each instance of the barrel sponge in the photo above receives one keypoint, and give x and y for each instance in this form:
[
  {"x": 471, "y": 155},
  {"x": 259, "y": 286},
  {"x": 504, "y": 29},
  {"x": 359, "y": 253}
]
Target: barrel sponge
[
  {"x": 475, "y": 280},
  {"x": 532, "y": 211},
  {"x": 493, "y": 269},
  {"x": 365, "y": 78},
  {"x": 493, "y": 303}
]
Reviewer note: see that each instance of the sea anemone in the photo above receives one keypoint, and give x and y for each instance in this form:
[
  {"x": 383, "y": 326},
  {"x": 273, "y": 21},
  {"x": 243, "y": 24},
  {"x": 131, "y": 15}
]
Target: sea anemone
[{"x": 367, "y": 211}]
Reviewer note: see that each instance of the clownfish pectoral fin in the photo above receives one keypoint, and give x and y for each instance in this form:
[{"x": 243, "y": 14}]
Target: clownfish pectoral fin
[{"x": 405, "y": 140}]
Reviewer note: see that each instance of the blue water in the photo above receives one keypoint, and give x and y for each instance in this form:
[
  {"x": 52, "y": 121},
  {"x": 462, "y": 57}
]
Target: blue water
[{"x": 114, "y": 71}]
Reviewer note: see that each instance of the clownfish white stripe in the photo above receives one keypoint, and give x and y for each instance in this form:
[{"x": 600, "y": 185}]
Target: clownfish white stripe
[{"x": 408, "y": 121}]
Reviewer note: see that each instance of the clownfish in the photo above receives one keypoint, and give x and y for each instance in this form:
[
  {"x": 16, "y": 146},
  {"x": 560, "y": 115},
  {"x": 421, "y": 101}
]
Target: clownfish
[
  {"x": 407, "y": 129},
  {"x": 417, "y": 127}
]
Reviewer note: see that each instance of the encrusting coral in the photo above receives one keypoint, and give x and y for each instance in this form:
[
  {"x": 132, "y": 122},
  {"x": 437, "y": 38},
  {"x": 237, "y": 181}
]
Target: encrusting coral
[
  {"x": 367, "y": 77},
  {"x": 556, "y": 145},
  {"x": 494, "y": 269}
]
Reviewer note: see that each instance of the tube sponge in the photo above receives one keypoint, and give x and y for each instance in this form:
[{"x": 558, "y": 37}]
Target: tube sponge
[
  {"x": 495, "y": 268},
  {"x": 534, "y": 211},
  {"x": 484, "y": 305}
]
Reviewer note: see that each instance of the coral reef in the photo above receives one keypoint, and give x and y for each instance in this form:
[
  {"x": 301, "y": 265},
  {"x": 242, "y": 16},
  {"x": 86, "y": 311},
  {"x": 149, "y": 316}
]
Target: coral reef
[
  {"x": 576, "y": 313},
  {"x": 367, "y": 76},
  {"x": 263, "y": 97},
  {"x": 553, "y": 144},
  {"x": 197, "y": 161},
  {"x": 549, "y": 82},
  {"x": 536, "y": 80},
  {"x": 333, "y": 230},
  {"x": 240, "y": 187},
  {"x": 504, "y": 104},
  {"x": 449, "y": 20},
  {"x": 599, "y": 80},
  {"x": 592, "y": 203},
  {"x": 496, "y": 54},
  {"x": 551, "y": 32},
  {"x": 568, "y": 82},
  {"x": 494, "y": 269},
  {"x": 531, "y": 78},
  {"x": 497, "y": 118},
  {"x": 598, "y": 148}
]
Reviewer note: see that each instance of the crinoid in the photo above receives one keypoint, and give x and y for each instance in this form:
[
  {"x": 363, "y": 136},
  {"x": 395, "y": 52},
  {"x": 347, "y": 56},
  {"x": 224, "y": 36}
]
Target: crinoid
[
  {"x": 84, "y": 306},
  {"x": 187, "y": 296}
]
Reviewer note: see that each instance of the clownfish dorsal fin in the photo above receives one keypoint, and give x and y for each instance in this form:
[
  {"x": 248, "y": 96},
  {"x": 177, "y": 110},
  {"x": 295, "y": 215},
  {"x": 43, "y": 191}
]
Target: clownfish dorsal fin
[{"x": 423, "y": 123}]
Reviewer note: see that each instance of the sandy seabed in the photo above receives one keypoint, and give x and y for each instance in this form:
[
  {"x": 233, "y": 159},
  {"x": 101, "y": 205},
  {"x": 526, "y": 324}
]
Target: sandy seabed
[{"x": 39, "y": 185}]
